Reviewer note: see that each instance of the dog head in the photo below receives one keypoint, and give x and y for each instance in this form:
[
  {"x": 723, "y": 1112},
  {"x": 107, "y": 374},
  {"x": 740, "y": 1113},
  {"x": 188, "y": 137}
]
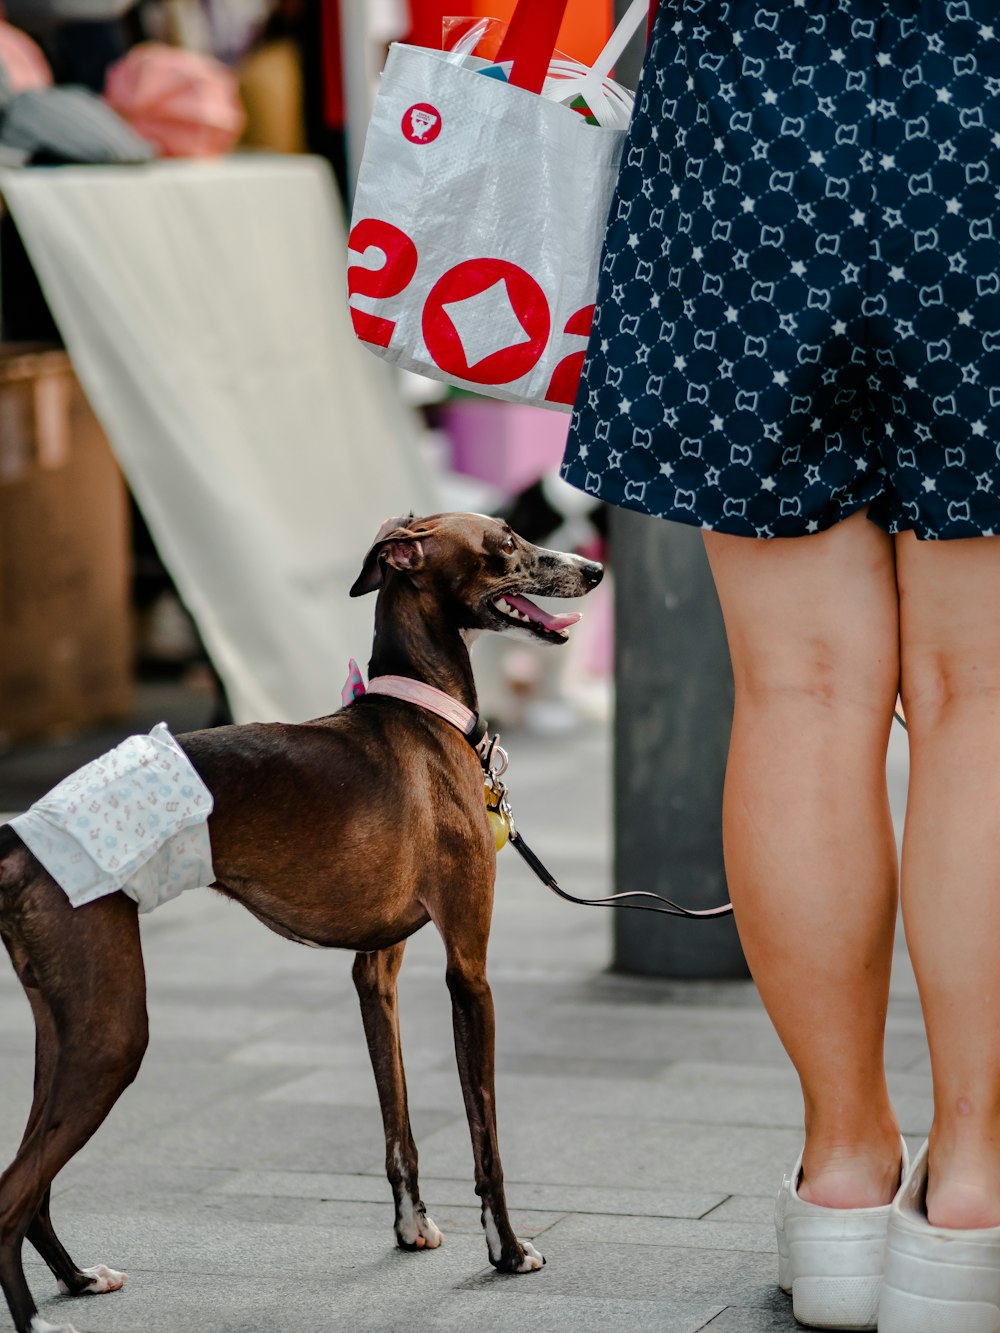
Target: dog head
[{"x": 479, "y": 572}]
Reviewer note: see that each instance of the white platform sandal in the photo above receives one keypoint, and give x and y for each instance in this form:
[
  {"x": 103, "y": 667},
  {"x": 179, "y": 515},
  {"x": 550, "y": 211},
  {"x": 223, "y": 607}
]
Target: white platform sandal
[
  {"x": 830, "y": 1259},
  {"x": 937, "y": 1279}
]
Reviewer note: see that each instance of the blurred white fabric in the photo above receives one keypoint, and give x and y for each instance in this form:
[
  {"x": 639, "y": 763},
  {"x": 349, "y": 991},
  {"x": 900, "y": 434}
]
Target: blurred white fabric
[{"x": 203, "y": 306}]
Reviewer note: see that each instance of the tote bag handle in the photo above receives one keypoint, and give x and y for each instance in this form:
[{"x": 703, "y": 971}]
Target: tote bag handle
[
  {"x": 617, "y": 42},
  {"x": 531, "y": 36},
  {"x": 530, "y": 41}
]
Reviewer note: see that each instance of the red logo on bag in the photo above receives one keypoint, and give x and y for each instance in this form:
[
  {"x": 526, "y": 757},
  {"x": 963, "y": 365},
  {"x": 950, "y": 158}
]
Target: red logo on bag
[
  {"x": 566, "y": 376},
  {"x": 484, "y": 320},
  {"x": 502, "y": 302},
  {"x": 421, "y": 123},
  {"x": 383, "y": 280}
]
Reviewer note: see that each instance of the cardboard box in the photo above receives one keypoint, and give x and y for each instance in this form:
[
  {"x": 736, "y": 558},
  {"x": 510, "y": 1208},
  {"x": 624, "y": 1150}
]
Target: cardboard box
[{"x": 65, "y": 626}]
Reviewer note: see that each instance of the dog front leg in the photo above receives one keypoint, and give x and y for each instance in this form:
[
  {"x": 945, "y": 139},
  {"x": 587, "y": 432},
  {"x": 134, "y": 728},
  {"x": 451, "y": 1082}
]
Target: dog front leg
[
  {"x": 475, "y": 1040},
  {"x": 375, "y": 981}
]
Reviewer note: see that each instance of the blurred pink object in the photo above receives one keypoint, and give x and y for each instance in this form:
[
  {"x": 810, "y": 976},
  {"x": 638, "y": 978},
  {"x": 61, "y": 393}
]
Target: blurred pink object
[
  {"x": 185, "y": 103},
  {"x": 22, "y": 58},
  {"x": 508, "y": 444}
]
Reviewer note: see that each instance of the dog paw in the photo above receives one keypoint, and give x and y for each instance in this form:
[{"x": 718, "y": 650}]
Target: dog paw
[
  {"x": 514, "y": 1256},
  {"x": 102, "y": 1279},
  {"x": 40, "y": 1325},
  {"x": 415, "y": 1230},
  {"x": 532, "y": 1259},
  {"x": 431, "y": 1234}
]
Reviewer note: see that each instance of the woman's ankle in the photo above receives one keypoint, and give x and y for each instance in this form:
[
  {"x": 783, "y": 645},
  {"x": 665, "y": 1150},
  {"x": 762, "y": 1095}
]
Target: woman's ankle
[
  {"x": 961, "y": 1206},
  {"x": 963, "y": 1183},
  {"x": 851, "y": 1176}
]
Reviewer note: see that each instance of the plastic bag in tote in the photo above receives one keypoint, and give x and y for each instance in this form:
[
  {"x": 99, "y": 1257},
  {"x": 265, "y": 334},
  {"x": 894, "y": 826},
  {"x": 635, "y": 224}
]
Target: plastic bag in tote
[{"x": 480, "y": 210}]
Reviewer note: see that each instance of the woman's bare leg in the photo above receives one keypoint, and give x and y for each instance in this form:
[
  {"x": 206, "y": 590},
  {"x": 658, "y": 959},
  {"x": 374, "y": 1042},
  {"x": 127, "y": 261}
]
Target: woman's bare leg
[
  {"x": 813, "y": 631},
  {"x": 950, "y": 655}
]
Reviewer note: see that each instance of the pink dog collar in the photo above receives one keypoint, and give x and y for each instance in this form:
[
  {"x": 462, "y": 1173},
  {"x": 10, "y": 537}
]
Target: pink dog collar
[{"x": 470, "y": 724}]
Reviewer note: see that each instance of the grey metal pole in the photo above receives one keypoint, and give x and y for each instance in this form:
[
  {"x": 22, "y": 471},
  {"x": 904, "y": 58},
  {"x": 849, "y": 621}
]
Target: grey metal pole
[{"x": 672, "y": 722}]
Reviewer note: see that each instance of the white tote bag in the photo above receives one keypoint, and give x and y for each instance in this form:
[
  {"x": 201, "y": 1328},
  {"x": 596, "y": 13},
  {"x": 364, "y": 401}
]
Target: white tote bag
[{"x": 480, "y": 210}]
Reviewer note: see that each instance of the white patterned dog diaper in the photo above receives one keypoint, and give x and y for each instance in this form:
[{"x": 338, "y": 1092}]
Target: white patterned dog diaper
[{"x": 136, "y": 820}]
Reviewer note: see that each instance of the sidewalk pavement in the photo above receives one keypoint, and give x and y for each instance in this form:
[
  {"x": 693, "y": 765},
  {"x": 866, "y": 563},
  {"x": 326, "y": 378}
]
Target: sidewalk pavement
[{"x": 643, "y": 1124}]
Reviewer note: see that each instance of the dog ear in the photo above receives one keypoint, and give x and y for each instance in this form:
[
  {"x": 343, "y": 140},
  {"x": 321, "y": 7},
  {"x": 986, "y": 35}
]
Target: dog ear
[
  {"x": 400, "y": 547},
  {"x": 403, "y": 552}
]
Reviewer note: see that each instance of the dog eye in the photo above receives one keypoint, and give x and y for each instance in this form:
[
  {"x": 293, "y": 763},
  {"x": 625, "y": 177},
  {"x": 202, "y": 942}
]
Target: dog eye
[{"x": 509, "y": 546}]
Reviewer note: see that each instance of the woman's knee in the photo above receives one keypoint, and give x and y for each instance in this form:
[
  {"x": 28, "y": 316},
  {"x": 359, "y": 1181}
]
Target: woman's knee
[
  {"x": 949, "y": 636},
  {"x": 941, "y": 682},
  {"x": 812, "y": 622},
  {"x": 827, "y": 677}
]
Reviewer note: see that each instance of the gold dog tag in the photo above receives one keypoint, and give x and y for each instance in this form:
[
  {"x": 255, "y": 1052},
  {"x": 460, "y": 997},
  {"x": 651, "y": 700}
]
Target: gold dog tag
[{"x": 496, "y": 815}]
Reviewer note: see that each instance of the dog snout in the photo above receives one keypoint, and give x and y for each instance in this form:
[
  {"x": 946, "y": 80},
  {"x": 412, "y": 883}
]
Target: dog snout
[{"x": 592, "y": 573}]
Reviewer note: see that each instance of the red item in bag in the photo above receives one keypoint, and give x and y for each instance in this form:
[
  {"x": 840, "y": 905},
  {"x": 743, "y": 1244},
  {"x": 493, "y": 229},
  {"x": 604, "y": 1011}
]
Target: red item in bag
[{"x": 185, "y": 103}]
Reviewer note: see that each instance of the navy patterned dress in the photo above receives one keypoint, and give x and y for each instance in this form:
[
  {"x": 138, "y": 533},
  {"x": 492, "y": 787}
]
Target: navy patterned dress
[{"x": 799, "y": 303}]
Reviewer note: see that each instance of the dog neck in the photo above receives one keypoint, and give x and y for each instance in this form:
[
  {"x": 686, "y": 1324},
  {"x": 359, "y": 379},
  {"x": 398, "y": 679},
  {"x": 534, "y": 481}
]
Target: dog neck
[{"x": 420, "y": 641}]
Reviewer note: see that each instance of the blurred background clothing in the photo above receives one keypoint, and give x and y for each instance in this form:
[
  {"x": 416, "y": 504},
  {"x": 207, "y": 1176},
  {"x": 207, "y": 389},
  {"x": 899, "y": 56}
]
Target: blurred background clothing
[{"x": 196, "y": 400}]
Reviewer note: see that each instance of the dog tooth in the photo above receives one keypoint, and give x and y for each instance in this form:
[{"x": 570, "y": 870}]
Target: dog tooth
[{"x": 502, "y": 604}]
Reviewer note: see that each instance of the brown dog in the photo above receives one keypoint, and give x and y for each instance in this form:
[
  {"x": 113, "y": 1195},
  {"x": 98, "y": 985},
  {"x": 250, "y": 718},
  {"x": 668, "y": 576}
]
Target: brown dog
[{"x": 303, "y": 833}]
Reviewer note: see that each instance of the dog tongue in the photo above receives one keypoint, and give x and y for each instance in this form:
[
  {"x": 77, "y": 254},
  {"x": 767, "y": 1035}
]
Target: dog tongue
[{"x": 541, "y": 617}]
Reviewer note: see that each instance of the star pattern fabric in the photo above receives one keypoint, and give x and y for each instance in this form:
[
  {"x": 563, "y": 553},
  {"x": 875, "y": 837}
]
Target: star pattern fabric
[{"x": 799, "y": 303}]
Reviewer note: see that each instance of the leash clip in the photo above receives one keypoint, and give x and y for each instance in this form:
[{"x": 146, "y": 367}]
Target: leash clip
[
  {"x": 494, "y": 758},
  {"x": 501, "y": 804},
  {"x": 507, "y": 812}
]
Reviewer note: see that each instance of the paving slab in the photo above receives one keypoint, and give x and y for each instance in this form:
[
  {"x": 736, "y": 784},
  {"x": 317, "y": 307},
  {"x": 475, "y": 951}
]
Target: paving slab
[
  {"x": 640, "y": 1153},
  {"x": 543, "y": 1313},
  {"x": 637, "y": 1272},
  {"x": 755, "y": 1208},
  {"x": 586, "y": 1199},
  {"x": 740, "y": 1319},
  {"x": 706, "y": 1234}
]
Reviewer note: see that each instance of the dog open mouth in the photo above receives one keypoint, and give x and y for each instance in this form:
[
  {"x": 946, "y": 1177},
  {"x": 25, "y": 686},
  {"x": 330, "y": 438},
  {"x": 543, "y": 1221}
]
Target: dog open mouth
[{"x": 526, "y": 615}]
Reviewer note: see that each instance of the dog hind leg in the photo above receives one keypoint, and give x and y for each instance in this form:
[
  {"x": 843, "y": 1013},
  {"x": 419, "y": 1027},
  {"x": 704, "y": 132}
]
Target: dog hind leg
[
  {"x": 375, "y": 981},
  {"x": 72, "y": 1279},
  {"x": 86, "y": 965}
]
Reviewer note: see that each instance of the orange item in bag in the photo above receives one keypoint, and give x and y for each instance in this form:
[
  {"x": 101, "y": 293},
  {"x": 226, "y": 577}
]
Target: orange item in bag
[{"x": 585, "y": 29}]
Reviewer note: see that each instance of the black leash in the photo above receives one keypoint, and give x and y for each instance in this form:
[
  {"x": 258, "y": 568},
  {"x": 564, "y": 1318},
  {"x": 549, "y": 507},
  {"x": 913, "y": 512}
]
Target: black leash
[
  {"x": 666, "y": 908},
  {"x": 494, "y": 761}
]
